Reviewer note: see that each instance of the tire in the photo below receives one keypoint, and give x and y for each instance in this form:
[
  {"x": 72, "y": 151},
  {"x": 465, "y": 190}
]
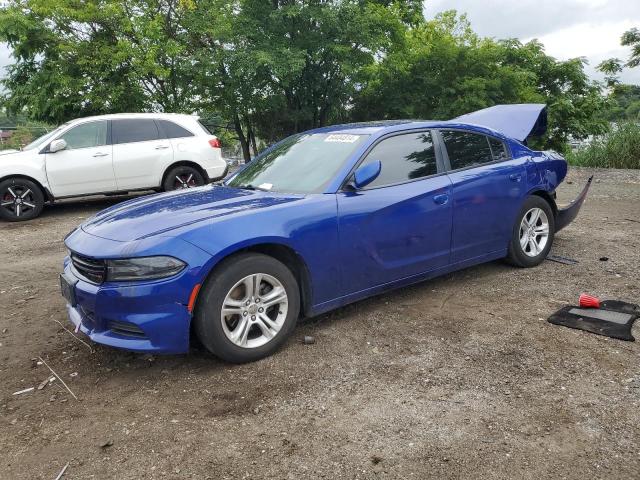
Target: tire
[
  {"x": 233, "y": 285},
  {"x": 182, "y": 177},
  {"x": 20, "y": 200},
  {"x": 536, "y": 245}
]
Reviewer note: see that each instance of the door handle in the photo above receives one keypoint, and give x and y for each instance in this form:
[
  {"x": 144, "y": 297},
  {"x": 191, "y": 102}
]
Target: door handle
[
  {"x": 515, "y": 177},
  {"x": 100, "y": 154},
  {"x": 162, "y": 147},
  {"x": 441, "y": 199}
]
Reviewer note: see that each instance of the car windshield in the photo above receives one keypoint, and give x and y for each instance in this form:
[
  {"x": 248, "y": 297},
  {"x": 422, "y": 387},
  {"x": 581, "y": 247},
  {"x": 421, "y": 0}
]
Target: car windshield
[
  {"x": 303, "y": 163},
  {"x": 41, "y": 141}
]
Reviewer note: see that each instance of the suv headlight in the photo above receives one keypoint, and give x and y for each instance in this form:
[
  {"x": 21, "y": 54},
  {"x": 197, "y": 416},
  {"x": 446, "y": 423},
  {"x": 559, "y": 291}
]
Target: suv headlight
[{"x": 143, "y": 268}]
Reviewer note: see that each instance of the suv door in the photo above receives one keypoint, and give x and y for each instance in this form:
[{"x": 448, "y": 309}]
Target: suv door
[
  {"x": 488, "y": 186},
  {"x": 399, "y": 225},
  {"x": 86, "y": 165},
  {"x": 141, "y": 153}
]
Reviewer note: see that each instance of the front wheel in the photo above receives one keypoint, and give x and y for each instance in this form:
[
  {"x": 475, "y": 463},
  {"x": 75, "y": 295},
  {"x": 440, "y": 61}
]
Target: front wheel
[
  {"x": 20, "y": 200},
  {"x": 247, "y": 308},
  {"x": 532, "y": 234}
]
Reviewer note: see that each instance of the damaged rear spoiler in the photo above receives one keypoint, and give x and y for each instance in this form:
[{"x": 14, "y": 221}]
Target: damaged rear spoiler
[
  {"x": 518, "y": 121},
  {"x": 566, "y": 215}
]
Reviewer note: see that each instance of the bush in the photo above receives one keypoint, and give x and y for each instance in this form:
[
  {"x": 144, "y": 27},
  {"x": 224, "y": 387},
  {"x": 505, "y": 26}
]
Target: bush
[{"x": 620, "y": 148}]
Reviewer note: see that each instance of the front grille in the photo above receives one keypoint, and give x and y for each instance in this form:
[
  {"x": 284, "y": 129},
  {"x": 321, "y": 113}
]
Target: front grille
[
  {"x": 126, "y": 329},
  {"x": 89, "y": 268}
]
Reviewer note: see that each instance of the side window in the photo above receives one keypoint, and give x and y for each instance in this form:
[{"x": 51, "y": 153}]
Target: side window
[
  {"x": 172, "y": 130},
  {"x": 92, "y": 134},
  {"x": 498, "y": 149},
  {"x": 466, "y": 149},
  {"x": 403, "y": 157},
  {"x": 134, "y": 130}
]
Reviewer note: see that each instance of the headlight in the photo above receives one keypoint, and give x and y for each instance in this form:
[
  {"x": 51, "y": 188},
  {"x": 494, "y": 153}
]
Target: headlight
[{"x": 143, "y": 268}]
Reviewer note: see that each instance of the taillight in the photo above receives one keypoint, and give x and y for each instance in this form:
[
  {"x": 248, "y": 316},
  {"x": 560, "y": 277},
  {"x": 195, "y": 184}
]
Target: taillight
[{"x": 215, "y": 143}]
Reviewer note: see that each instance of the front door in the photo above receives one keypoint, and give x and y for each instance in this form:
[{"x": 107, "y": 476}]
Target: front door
[
  {"x": 400, "y": 224},
  {"x": 86, "y": 165}
]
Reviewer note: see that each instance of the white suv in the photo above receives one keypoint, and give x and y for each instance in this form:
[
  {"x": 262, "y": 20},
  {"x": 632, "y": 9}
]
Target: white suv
[{"x": 105, "y": 155}]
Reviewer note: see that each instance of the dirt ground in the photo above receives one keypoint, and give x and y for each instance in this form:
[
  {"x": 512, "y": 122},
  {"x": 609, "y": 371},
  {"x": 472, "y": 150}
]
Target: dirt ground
[{"x": 459, "y": 377}]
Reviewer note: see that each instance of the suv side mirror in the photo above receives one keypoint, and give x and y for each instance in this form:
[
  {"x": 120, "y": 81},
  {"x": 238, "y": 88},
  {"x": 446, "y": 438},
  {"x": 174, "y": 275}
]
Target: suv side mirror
[
  {"x": 57, "y": 145},
  {"x": 366, "y": 174}
]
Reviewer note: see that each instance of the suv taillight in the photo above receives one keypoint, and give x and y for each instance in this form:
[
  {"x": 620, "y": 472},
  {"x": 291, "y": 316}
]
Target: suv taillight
[{"x": 215, "y": 143}]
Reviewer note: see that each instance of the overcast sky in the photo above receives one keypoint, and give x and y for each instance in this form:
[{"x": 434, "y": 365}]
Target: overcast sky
[{"x": 567, "y": 28}]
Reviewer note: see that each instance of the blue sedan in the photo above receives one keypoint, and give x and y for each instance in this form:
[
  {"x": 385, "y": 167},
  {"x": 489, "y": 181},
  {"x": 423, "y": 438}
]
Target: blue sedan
[{"x": 319, "y": 220}]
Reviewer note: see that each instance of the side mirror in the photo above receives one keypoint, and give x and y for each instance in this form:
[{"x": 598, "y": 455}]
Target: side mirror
[
  {"x": 57, "y": 145},
  {"x": 366, "y": 174}
]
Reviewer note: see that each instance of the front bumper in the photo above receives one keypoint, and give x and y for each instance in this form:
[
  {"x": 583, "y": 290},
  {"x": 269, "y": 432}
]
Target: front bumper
[
  {"x": 146, "y": 316},
  {"x": 140, "y": 318}
]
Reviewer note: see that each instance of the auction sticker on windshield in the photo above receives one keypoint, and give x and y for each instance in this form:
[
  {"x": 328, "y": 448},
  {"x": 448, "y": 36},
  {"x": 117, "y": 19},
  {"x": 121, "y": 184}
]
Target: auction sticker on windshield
[{"x": 342, "y": 138}]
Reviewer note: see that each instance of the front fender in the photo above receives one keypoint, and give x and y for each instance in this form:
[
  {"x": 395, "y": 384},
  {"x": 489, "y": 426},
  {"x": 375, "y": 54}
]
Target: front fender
[{"x": 23, "y": 166}]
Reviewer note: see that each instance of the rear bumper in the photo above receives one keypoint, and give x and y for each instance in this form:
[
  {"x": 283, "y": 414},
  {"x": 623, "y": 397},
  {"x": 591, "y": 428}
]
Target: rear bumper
[
  {"x": 566, "y": 215},
  {"x": 218, "y": 172}
]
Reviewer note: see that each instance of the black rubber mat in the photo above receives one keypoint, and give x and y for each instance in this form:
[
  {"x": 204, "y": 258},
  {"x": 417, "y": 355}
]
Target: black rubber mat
[{"x": 613, "y": 319}]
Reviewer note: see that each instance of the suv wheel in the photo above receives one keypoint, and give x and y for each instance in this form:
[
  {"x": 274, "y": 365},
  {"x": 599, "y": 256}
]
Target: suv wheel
[
  {"x": 182, "y": 177},
  {"x": 20, "y": 200}
]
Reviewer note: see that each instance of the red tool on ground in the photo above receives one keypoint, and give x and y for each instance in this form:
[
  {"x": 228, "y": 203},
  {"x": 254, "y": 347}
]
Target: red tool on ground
[{"x": 588, "y": 301}]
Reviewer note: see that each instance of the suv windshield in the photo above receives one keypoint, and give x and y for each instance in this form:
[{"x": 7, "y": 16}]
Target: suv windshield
[
  {"x": 303, "y": 163},
  {"x": 41, "y": 141}
]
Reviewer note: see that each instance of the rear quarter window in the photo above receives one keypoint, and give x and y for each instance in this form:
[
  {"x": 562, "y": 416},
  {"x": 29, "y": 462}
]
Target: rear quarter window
[{"x": 173, "y": 130}]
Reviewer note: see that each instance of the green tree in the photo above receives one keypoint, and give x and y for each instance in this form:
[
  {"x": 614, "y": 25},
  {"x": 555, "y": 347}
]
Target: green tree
[
  {"x": 98, "y": 56},
  {"x": 443, "y": 69},
  {"x": 631, "y": 38}
]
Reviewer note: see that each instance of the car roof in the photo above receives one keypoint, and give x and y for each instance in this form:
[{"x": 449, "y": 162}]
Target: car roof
[
  {"x": 388, "y": 126},
  {"x": 112, "y": 116}
]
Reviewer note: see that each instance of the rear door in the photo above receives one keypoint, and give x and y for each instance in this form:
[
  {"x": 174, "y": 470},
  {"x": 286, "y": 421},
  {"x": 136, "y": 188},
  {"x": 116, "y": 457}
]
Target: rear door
[
  {"x": 140, "y": 153},
  {"x": 400, "y": 224},
  {"x": 488, "y": 186},
  {"x": 85, "y": 166}
]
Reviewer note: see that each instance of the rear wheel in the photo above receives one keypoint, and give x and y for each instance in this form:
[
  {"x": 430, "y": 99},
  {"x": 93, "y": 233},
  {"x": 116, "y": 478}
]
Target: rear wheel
[
  {"x": 248, "y": 308},
  {"x": 532, "y": 234},
  {"x": 183, "y": 177},
  {"x": 20, "y": 200}
]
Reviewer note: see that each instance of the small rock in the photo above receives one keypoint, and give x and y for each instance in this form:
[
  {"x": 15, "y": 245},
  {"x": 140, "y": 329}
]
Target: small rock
[
  {"x": 604, "y": 259},
  {"x": 106, "y": 443},
  {"x": 256, "y": 411}
]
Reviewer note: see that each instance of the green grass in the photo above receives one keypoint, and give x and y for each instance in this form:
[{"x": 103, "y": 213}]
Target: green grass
[{"x": 618, "y": 149}]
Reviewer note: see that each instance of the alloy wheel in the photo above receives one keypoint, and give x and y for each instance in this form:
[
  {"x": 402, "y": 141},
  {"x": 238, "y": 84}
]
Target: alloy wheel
[
  {"x": 185, "y": 180},
  {"x": 18, "y": 200},
  {"x": 534, "y": 232},
  {"x": 254, "y": 310}
]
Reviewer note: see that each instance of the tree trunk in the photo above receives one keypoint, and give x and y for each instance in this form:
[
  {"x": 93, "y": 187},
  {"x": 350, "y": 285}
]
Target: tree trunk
[
  {"x": 252, "y": 140},
  {"x": 242, "y": 138}
]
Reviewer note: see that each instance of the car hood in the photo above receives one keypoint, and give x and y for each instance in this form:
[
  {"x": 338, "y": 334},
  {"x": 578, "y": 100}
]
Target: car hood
[
  {"x": 160, "y": 214},
  {"x": 7, "y": 152}
]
